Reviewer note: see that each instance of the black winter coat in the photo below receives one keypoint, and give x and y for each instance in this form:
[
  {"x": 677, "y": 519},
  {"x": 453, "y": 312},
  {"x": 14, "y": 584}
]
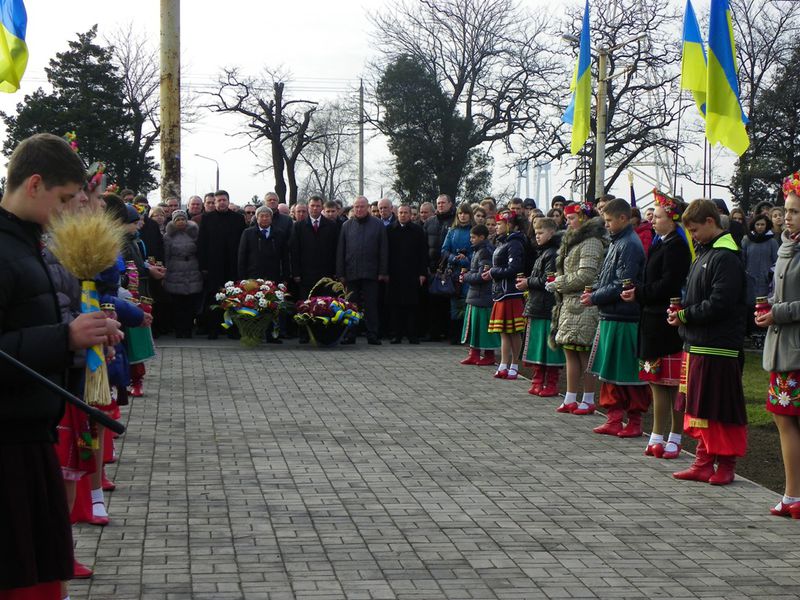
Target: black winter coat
[
  {"x": 541, "y": 302},
  {"x": 313, "y": 255},
  {"x": 715, "y": 301},
  {"x": 150, "y": 234},
  {"x": 624, "y": 260},
  {"x": 436, "y": 230},
  {"x": 508, "y": 260},
  {"x": 32, "y": 332},
  {"x": 664, "y": 277},
  {"x": 480, "y": 291},
  {"x": 363, "y": 250},
  {"x": 408, "y": 260},
  {"x": 261, "y": 258},
  {"x": 218, "y": 247}
]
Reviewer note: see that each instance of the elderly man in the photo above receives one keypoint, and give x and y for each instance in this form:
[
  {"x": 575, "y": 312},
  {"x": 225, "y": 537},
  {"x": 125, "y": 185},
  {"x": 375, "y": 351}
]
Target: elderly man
[
  {"x": 218, "y": 253},
  {"x": 362, "y": 259},
  {"x": 209, "y": 206},
  {"x": 264, "y": 250},
  {"x": 425, "y": 212},
  {"x": 300, "y": 212},
  {"x": 194, "y": 206},
  {"x": 408, "y": 267},
  {"x": 280, "y": 220},
  {"x": 438, "y": 309},
  {"x": 386, "y": 212}
]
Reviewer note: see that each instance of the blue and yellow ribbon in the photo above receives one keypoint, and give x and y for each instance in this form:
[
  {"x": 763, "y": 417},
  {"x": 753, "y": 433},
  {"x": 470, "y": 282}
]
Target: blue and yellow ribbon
[{"x": 90, "y": 302}]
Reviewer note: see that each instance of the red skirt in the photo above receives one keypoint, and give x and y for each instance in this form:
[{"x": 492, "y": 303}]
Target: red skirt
[
  {"x": 43, "y": 591},
  {"x": 77, "y": 438},
  {"x": 507, "y": 316},
  {"x": 783, "y": 396},
  {"x": 665, "y": 370}
]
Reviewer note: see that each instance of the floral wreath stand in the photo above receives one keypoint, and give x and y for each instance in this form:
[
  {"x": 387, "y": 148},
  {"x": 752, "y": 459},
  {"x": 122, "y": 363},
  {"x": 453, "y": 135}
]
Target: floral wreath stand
[{"x": 252, "y": 325}]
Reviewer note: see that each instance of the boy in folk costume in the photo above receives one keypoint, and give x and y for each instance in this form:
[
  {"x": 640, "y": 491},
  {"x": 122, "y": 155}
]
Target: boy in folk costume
[
  {"x": 44, "y": 175},
  {"x": 614, "y": 359},
  {"x": 547, "y": 362},
  {"x": 712, "y": 325}
]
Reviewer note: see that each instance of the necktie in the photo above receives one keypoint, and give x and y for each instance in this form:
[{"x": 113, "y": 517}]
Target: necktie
[
  {"x": 316, "y": 225},
  {"x": 266, "y": 233}
]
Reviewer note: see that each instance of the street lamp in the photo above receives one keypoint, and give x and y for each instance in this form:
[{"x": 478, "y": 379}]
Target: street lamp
[{"x": 216, "y": 163}]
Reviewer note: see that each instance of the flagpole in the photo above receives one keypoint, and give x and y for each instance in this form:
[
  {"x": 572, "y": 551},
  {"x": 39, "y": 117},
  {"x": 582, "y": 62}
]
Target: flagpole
[
  {"x": 705, "y": 165},
  {"x": 677, "y": 142}
]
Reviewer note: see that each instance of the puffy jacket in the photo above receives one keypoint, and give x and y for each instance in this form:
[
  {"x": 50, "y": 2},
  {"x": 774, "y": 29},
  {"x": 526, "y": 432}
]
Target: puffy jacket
[
  {"x": 436, "y": 230},
  {"x": 32, "y": 332},
  {"x": 480, "y": 291},
  {"x": 508, "y": 260},
  {"x": 541, "y": 302},
  {"x": 183, "y": 267},
  {"x": 759, "y": 253},
  {"x": 457, "y": 242},
  {"x": 624, "y": 260},
  {"x": 715, "y": 302}
]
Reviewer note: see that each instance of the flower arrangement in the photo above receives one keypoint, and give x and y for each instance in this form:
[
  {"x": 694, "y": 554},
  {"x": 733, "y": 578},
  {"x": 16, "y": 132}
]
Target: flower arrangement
[
  {"x": 252, "y": 305},
  {"x": 327, "y": 313}
]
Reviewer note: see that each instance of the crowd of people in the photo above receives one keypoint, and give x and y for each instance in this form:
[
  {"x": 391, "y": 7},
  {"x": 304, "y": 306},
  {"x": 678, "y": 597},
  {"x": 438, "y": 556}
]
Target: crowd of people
[{"x": 654, "y": 305}]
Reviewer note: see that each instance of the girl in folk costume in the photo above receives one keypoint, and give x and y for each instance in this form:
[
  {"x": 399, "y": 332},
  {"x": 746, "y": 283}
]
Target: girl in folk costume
[
  {"x": 506, "y": 319},
  {"x": 660, "y": 346},
  {"x": 782, "y": 351},
  {"x": 573, "y": 325},
  {"x": 546, "y": 361},
  {"x": 479, "y": 303},
  {"x": 712, "y": 326}
]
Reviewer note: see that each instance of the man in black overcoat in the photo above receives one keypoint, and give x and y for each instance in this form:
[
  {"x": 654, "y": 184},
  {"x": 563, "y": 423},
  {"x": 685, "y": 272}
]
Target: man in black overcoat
[
  {"x": 264, "y": 250},
  {"x": 218, "y": 254},
  {"x": 408, "y": 266}
]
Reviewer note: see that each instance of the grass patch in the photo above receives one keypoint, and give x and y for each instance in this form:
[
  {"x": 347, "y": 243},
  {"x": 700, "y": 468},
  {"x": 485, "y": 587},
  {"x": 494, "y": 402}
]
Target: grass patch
[{"x": 755, "y": 381}]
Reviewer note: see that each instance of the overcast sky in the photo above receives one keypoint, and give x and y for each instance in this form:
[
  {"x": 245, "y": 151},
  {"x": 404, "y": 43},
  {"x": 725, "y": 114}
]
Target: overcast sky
[{"x": 324, "y": 44}]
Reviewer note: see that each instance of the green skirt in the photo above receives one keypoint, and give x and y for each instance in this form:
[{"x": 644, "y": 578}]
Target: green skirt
[
  {"x": 537, "y": 351},
  {"x": 476, "y": 329},
  {"x": 614, "y": 358},
  {"x": 140, "y": 344}
]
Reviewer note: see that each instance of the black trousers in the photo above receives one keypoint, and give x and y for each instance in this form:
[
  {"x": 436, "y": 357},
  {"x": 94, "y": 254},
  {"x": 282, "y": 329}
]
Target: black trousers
[
  {"x": 184, "y": 309},
  {"x": 439, "y": 317},
  {"x": 365, "y": 295},
  {"x": 404, "y": 321}
]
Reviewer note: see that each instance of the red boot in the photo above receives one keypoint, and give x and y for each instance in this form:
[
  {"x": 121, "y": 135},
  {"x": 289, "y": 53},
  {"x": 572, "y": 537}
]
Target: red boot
[
  {"x": 550, "y": 386},
  {"x": 701, "y": 469},
  {"x": 488, "y": 359},
  {"x": 724, "y": 474},
  {"x": 136, "y": 389},
  {"x": 634, "y": 426},
  {"x": 81, "y": 571},
  {"x": 107, "y": 484},
  {"x": 613, "y": 424},
  {"x": 536, "y": 380},
  {"x": 472, "y": 358}
]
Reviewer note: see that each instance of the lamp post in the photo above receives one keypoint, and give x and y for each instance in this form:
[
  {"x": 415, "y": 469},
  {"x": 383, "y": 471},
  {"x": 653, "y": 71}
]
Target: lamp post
[{"x": 215, "y": 162}]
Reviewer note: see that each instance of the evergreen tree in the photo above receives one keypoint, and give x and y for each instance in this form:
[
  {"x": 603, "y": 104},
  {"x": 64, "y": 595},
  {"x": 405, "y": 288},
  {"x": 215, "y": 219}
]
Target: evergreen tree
[{"x": 86, "y": 98}]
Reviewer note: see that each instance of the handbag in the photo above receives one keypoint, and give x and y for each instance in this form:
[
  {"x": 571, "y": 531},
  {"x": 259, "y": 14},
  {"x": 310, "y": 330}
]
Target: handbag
[{"x": 443, "y": 282}]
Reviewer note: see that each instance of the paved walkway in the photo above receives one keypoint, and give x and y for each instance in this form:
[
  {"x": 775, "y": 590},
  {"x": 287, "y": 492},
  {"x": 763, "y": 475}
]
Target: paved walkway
[{"x": 392, "y": 472}]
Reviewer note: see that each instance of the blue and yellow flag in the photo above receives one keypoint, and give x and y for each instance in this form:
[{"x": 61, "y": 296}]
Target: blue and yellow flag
[
  {"x": 13, "y": 49},
  {"x": 694, "y": 65},
  {"x": 579, "y": 111},
  {"x": 725, "y": 120}
]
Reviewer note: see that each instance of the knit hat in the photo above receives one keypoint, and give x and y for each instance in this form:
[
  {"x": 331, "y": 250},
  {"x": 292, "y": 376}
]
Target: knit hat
[
  {"x": 133, "y": 214},
  {"x": 179, "y": 214}
]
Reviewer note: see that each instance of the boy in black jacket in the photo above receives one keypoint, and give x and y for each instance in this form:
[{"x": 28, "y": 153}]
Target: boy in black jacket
[
  {"x": 712, "y": 325},
  {"x": 44, "y": 174}
]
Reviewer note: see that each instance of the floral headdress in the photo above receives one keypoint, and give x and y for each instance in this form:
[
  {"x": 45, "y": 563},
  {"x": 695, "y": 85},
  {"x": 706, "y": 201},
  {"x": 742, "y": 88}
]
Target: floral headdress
[
  {"x": 587, "y": 208},
  {"x": 506, "y": 216},
  {"x": 671, "y": 206},
  {"x": 791, "y": 184},
  {"x": 95, "y": 174}
]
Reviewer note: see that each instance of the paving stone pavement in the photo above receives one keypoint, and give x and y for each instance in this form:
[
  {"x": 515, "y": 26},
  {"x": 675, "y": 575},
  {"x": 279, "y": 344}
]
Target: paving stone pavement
[{"x": 393, "y": 472}]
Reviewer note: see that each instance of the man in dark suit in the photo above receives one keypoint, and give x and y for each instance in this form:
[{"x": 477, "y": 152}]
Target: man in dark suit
[
  {"x": 264, "y": 250},
  {"x": 408, "y": 266},
  {"x": 217, "y": 248},
  {"x": 313, "y": 251}
]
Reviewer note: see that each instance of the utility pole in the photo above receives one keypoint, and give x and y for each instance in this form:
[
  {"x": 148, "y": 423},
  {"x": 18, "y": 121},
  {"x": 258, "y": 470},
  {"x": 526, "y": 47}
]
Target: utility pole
[
  {"x": 602, "y": 111},
  {"x": 361, "y": 139},
  {"x": 170, "y": 98}
]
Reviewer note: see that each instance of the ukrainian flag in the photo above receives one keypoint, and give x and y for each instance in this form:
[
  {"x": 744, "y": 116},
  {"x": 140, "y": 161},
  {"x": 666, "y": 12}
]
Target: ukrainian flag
[
  {"x": 578, "y": 113},
  {"x": 13, "y": 49},
  {"x": 725, "y": 120},
  {"x": 694, "y": 65}
]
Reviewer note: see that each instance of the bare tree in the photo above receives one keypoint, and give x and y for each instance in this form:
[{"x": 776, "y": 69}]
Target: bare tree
[
  {"x": 643, "y": 93},
  {"x": 491, "y": 61},
  {"x": 766, "y": 34},
  {"x": 271, "y": 118},
  {"x": 331, "y": 158}
]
